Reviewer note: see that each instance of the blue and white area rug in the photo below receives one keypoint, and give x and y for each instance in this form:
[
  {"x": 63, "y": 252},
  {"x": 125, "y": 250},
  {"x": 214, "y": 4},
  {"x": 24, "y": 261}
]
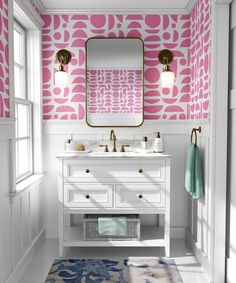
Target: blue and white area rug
[{"x": 133, "y": 270}]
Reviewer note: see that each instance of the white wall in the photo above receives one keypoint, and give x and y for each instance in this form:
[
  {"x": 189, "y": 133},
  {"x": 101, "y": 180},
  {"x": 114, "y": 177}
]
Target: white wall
[
  {"x": 231, "y": 213},
  {"x": 176, "y": 137}
]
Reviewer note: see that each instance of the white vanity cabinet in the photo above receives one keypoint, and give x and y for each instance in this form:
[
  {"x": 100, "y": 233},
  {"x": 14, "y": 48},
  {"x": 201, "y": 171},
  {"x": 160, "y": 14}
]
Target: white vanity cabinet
[{"x": 114, "y": 185}]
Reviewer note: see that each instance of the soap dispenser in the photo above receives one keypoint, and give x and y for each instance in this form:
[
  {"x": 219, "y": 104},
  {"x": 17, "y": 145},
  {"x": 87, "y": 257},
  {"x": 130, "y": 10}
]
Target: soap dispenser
[
  {"x": 68, "y": 145},
  {"x": 158, "y": 145}
]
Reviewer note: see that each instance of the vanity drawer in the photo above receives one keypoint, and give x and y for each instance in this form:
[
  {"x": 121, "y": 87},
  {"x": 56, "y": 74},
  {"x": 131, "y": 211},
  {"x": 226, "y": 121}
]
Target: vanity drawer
[
  {"x": 88, "y": 195},
  {"x": 140, "y": 195},
  {"x": 117, "y": 169}
]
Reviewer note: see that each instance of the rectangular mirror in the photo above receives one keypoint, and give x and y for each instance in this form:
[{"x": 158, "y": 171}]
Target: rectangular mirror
[{"x": 114, "y": 82}]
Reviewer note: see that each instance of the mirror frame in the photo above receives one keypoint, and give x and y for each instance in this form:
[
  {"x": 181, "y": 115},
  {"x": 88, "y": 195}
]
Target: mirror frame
[{"x": 86, "y": 83}]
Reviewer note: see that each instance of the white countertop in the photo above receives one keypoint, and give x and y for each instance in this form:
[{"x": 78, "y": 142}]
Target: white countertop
[{"x": 99, "y": 154}]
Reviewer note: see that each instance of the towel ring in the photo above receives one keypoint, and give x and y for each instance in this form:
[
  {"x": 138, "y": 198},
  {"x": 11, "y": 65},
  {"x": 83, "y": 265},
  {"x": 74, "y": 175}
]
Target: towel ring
[{"x": 194, "y": 131}]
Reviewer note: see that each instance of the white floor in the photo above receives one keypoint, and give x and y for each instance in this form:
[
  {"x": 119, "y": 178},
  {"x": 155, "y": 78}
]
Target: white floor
[{"x": 37, "y": 270}]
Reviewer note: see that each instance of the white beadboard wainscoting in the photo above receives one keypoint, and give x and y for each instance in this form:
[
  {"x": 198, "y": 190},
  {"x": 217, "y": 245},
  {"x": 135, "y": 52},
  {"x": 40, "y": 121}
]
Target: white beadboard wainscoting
[
  {"x": 21, "y": 214},
  {"x": 189, "y": 218}
]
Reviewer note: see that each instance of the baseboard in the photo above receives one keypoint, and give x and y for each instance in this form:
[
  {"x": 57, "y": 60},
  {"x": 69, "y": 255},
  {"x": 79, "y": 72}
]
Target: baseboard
[
  {"x": 22, "y": 265},
  {"x": 200, "y": 256}
]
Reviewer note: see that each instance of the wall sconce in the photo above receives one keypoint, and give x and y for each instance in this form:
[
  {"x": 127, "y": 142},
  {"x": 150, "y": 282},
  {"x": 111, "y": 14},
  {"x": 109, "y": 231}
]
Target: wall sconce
[
  {"x": 63, "y": 56},
  {"x": 167, "y": 76}
]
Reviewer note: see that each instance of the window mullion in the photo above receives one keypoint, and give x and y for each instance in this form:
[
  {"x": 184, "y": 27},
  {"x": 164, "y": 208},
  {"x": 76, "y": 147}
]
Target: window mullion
[{"x": 23, "y": 138}]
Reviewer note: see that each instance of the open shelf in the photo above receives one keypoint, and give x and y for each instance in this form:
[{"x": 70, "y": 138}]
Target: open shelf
[{"x": 151, "y": 236}]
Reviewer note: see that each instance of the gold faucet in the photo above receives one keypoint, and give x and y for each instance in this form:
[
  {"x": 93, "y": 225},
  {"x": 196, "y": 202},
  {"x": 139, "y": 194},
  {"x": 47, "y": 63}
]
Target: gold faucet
[{"x": 113, "y": 138}]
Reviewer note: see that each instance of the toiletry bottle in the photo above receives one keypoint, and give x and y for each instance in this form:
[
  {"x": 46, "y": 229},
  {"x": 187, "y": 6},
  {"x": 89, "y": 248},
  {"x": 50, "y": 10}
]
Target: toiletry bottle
[
  {"x": 68, "y": 145},
  {"x": 158, "y": 145},
  {"x": 72, "y": 144},
  {"x": 144, "y": 143}
]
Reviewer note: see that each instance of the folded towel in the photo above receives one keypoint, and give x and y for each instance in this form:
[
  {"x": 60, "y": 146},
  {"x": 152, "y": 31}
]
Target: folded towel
[
  {"x": 193, "y": 175},
  {"x": 112, "y": 226}
]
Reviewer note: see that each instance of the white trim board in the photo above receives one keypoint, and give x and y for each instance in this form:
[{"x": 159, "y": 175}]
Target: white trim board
[
  {"x": 218, "y": 146},
  {"x": 233, "y": 15},
  {"x": 23, "y": 10},
  {"x": 185, "y": 10},
  {"x": 114, "y": 11}
]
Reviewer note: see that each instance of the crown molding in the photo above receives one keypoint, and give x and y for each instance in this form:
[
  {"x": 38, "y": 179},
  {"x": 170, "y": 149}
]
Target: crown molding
[
  {"x": 22, "y": 8},
  {"x": 39, "y": 5},
  {"x": 114, "y": 11},
  {"x": 190, "y": 6}
]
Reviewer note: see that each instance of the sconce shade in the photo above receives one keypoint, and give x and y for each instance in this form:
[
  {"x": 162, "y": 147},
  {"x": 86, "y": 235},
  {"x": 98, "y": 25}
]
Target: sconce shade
[
  {"x": 61, "y": 79},
  {"x": 167, "y": 78},
  {"x": 63, "y": 56}
]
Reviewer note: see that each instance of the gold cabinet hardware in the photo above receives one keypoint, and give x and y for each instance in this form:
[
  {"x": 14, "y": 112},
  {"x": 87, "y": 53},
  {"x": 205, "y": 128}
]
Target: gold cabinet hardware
[
  {"x": 106, "y": 147},
  {"x": 123, "y": 147},
  {"x": 87, "y": 171},
  {"x": 87, "y": 196},
  {"x": 140, "y": 196},
  {"x": 140, "y": 170}
]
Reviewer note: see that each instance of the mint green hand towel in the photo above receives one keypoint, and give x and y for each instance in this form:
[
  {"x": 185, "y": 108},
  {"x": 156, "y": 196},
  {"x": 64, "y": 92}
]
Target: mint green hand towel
[
  {"x": 112, "y": 226},
  {"x": 193, "y": 175}
]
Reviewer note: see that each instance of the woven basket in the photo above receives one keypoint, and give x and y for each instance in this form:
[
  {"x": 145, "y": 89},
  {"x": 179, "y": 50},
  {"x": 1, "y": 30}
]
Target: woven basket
[{"x": 90, "y": 228}]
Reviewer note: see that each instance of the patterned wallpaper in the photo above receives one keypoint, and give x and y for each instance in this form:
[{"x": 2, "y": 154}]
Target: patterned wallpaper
[
  {"x": 4, "y": 61},
  {"x": 158, "y": 32},
  {"x": 200, "y": 61},
  {"x": 188, "y": 36}
]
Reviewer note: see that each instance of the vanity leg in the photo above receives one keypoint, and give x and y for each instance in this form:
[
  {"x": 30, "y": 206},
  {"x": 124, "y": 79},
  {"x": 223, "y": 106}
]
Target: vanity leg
[{"x": 61, "y": 250}]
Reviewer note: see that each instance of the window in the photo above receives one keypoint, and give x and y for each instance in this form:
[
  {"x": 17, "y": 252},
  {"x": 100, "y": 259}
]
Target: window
[{"x": 23, "y": 107}]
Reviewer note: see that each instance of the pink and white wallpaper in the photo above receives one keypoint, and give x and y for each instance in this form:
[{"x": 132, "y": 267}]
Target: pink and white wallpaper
[
  {"x": 158, "y": 32},
  {"x": 114, "y": 91},
  {"x": 4, "y": 61},
  {"x": 200, "y": 60},
  {"x": 183, "y": 34}
]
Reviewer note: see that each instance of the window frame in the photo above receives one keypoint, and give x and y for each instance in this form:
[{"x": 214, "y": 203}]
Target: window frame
[{"x": 23, "y": 100}]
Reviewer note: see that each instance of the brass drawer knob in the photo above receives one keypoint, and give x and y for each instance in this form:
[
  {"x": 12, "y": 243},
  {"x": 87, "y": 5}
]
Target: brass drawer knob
[
  {"x": 87, "y": 171},
  {"x": 87, "y": 196},
  {"x": 140, "y": 170},
  {"x": 140, "y": 196}
]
